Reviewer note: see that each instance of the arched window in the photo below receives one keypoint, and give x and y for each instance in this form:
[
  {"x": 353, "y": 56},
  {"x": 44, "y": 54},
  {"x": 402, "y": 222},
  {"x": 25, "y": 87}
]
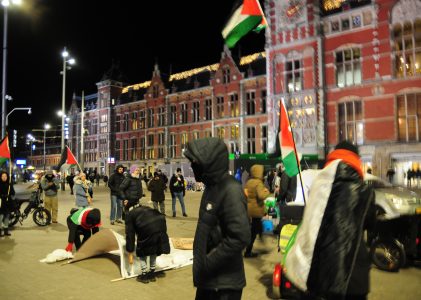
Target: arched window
[{"x": 407, "y": 48}]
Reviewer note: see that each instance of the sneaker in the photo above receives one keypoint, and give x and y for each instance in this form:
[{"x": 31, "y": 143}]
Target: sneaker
[
  {"x": 184, "y": 215},
  {"x": 112, "y": 222},
  {"x": 119, "y": 221},
  {"x": 151, "y": 276},
  {"x": 143, "y": 278},
  {"x": 250, "y": 255}
]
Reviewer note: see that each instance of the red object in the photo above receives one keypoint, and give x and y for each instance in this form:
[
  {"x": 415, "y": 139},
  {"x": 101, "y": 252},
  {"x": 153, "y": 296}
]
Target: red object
[
  {"x": 417, "y": 241},
  {"x": 288, "y": 285},
  {"x": 4, "y": 148},
  {"x": 277, "y": 274},
  {"x": 69, "y": 247},
  {"x": 71, "y": 160}
]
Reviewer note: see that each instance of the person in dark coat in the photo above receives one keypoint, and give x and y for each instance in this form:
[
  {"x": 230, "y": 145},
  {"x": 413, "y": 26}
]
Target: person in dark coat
[
  {"x": 223, "y": 229},
  {"x": 157, "y": 187},
  {"x": 329, "y": 259},
  {"x": 7, "y": 202},
  {"x": 131, "y": 188},
  {"x": 178, "y": 190},
  {"x": 150, "y": 228},
  {"x": 70, "y": 181},
  {"x": 114, "y": 183}
]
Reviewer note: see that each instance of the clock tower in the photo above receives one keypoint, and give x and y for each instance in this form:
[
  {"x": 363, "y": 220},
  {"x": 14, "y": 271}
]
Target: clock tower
[{"x": 292, "y": 44}]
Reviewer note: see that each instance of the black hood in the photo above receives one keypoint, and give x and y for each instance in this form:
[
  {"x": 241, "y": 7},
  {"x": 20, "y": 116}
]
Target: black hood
[{"x": 212, "y": 156}]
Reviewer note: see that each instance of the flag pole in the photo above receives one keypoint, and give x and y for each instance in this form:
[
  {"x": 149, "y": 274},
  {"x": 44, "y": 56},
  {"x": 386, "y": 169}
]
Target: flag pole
[{"x": 295, "y": 152}]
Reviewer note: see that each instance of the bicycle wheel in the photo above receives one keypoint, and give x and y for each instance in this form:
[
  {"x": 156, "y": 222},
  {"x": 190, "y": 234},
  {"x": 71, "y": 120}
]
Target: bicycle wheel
[
  {"x": 14, "y": 217},
  {"x": 388, "y": 255},
  {"x": 41, "y": 216}
]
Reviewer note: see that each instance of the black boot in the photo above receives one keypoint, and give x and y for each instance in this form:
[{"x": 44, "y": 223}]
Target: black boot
[
  {"x": 143, "y": 278},
  {"x": 1, "y": 232},
  {"x": 151, "y": 275},
  {"x": 6, "y": 232}
]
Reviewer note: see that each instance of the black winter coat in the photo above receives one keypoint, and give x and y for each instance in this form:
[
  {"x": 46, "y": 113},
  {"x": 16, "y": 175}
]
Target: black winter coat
[
  {"x": 217, "y": 249},
  {"x": 177, "y": 186},
  {"x": 151, "y": 229},
  {"x": 114, "y": 183},
  {"x": 131, "y": 189},
  {"x": 157, "y": 187},
  {"x": 8, "y": 203}
]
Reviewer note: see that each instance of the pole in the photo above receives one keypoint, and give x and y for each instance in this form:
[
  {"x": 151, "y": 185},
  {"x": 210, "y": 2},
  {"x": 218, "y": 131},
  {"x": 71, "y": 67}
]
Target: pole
[
  {"x": 3, "y": 87},
  {"x": 82, "y": 133},
  {"x": 63, "y": 101},
  {"x": 45, "y": 130}
]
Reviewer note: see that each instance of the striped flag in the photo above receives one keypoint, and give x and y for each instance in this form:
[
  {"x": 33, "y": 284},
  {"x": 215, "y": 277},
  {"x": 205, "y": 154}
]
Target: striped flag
[
  {"x": 67, "y": 159},
  {"x": 4, "y": 150},
  {"x": 247, "y": 16},
  {"x": 286, "y": 141}
]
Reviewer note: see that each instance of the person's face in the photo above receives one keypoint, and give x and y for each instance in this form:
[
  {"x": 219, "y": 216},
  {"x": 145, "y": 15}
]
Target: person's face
[
  {"x": 83, "y": 177},
  {"x": 136, "y": 171},
  {"x": 4, "y": 177},
  {"x": 120, "y": 170}
]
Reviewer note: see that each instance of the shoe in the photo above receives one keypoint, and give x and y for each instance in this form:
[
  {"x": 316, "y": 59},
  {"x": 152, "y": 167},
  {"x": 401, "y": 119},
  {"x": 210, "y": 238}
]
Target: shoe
[
  {"x": 112, "y": 222},
  {"x": 151, "y": 276},
  {"x": 143, "y": 278},
  {"x": 6, "y": 232},
  {"x": 54, "y": 222},
  {"x": 173, "y": 215},
  {"x": 250, "y": 255},
  {"x": 119, "y": 221},
  {"x": 184, "y": 215}
]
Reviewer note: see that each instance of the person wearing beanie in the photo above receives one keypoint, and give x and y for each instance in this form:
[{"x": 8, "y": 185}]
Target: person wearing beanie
[
  {"x": 82, "y": 221},
  {"x": 157, "y": 188},
  {"x": 131, "y": 189},
  {"x": 83, "y": 190},
  {"x": 178, "y": 190},
  {"x": 116, "y": 201},
  {"x": 50, "y": 184},
  {"x": 329, "y": 258}
]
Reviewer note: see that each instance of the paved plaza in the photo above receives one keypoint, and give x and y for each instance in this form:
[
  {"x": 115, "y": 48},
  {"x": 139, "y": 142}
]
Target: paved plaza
[{"x": 22, "y": 276}]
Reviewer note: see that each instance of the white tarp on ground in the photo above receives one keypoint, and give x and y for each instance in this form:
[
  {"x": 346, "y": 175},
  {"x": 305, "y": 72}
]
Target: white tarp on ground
[{"x": 109, "y": 241}]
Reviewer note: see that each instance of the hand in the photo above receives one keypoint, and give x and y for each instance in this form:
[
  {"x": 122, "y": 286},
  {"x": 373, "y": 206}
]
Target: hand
[
  {"x": 130, "y": 257},
  {"x": 89, "y": 200},
  {"x": 50, "y": 183},
  {"x": 69, "y": 247},
  {"x": 125, "y": 202}
]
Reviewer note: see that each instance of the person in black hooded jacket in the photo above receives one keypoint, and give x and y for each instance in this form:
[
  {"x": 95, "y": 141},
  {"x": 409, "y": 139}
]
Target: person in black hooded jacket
[
  {"x": 7, "y": 193},
  {"x": 116, "y": 201},
  {"x": 222, "y": 231}
]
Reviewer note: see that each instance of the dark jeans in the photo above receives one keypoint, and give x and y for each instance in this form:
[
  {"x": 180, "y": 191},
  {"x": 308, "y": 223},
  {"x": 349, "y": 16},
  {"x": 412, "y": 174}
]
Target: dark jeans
[
  {"x": 256, "y": 228},
  {"x": 204, "y": 294}
]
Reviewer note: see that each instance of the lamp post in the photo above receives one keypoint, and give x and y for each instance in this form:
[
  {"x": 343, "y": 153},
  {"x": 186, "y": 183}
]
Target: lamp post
[
  {"x": 29, "y": 109},
  {"x": 46, "y": 127},
  {"x": 31, "y": 139},
  {"x": 6, "y": 4},
  {"x": 70, "y": 61}
]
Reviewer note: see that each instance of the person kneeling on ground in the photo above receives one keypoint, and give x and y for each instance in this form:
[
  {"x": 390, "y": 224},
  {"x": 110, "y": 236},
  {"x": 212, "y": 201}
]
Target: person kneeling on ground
[
  {"x": 82, "y": 221},
  {"x": 152, "y": 240}
]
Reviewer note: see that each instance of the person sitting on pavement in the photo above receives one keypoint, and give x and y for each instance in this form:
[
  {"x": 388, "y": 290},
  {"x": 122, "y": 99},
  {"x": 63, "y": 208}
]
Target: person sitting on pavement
[
  {"x": 131, "y": 188},
  {"x": 82, "y": 221},
  {"x": 157, "y": 188},
  {"x": 152, "y": 240},
  {"x": 83, "y": 191}
]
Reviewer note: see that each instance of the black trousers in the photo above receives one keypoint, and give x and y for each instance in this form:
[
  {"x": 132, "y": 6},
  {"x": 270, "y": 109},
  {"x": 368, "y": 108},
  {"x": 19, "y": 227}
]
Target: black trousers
[
  {"x": 256, "y": 228},
  {"x": 204, "y": 294}
]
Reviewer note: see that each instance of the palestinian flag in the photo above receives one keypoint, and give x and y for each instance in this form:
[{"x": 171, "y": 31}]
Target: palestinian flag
[
  {"x": 263, "y": 24},
  {"x": 67, "y": 159},
  {"x": 4, "y": 150},
  {"x": 247, "y": 15},
  {"x": 286, "y": 141}
]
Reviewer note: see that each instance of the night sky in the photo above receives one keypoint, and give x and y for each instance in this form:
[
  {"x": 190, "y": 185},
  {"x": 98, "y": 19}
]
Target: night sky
[{"x": 183, "y": 34}]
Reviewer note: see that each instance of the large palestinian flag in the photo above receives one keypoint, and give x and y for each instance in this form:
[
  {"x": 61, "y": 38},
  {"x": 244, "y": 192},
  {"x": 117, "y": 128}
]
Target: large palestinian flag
[
  {"x": 67, "y": 159},
  {"x": 286, "y": 141},
  {"x": 247, "y": 15},
  {"x": 4, "y": 150}
]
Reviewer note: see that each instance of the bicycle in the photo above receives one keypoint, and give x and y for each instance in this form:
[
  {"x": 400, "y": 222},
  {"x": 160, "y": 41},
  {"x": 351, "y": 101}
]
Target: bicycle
[{"x": 40, "y": 214}]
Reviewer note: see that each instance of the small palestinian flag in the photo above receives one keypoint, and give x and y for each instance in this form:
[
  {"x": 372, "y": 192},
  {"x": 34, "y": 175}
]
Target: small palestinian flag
[
  {"x": 247, "y": 15},
  {"x": 286, "y": 141},
  {"x": 67, "y": 159},
  {"x": 4, "y": 150}
]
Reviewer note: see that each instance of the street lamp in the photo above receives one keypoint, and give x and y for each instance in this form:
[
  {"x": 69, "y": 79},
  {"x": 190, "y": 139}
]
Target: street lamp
[
  {"x": 30, "y": 139},
  {"x": 6, "y": 4},
  {"x": 70, "y": 61},
  {"x": 29, "y": 109},
  {"x": 46, "y": 127}
]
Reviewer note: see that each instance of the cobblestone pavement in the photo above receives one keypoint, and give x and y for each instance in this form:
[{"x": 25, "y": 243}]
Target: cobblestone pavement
[{"x": 22, "y": 276}]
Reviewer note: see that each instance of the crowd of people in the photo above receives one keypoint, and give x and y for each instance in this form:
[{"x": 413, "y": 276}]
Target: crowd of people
[{"x": 230, "y": 219}]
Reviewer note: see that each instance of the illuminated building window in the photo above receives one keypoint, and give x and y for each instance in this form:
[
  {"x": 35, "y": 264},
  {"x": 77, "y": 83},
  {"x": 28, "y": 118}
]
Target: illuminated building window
[
  {"x": 161, "y": 145},
  {"x": 220, "y": 107},
  {"x": 235, "y": 132},
  {"x": 250, "y": 103},
  {"x": 184, "y": 140},
  {"x": 293, "y": 74},
  {"x": 142, "y": 148},
  {"x": 173, "y": 146},
  {"x": 196, "y": 135},
  {"x": 220, "y": 132},
  {"x": 251, "y": 140},
  {"x": 142, "y": 119},
  {"x": 407, "y": 48},
  {"x": 234, "y": 105},
  {"x": 348, "y": 67},
  {"x": 350, "y": 118},
  {"x": 134, "y": 121},
  {"x": 409, "y": 117},
  {"x": 151, "y": 152}
]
